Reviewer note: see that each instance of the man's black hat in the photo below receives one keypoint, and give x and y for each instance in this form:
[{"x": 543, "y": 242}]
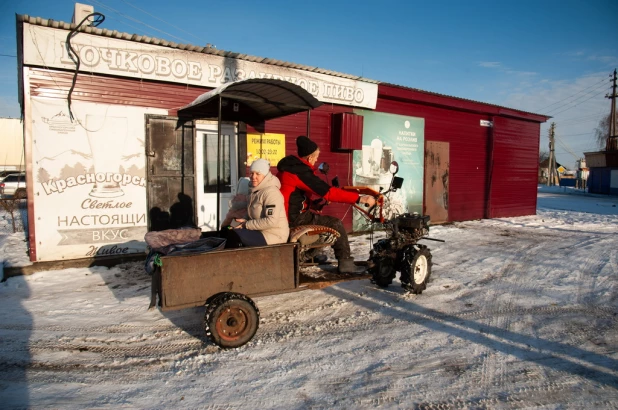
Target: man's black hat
[{"x": 305, "y": 146}]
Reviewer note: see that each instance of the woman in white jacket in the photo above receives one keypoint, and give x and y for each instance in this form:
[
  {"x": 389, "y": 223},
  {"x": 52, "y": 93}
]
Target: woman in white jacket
[{"x": 266, "y": 222}]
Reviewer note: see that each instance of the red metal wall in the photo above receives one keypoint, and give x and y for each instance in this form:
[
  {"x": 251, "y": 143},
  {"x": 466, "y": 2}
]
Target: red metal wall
[
  {"x": 515, "y": 151},
  {"x": 111, "y": 90},
  {"x": 515, "y": 168}
]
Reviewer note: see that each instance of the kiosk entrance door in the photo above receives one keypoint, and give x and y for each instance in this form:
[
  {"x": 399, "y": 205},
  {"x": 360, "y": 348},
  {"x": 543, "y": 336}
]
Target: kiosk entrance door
[{"x": 206, "y": 172}]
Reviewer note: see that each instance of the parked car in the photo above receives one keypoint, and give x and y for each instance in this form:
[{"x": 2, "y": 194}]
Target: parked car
[{"x": 13, "y": 186}]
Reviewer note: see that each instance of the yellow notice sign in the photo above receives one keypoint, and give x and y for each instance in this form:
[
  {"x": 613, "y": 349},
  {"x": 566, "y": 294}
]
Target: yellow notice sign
[{"x": 270, "y": 147}]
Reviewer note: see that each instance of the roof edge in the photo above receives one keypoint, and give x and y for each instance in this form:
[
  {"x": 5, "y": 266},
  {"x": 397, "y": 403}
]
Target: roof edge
[{"x": 437, "y": 99}]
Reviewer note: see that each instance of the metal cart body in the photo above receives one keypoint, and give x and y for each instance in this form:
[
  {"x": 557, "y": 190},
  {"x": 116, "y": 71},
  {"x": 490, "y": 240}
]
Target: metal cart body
[{"x": 191, "y": 280}]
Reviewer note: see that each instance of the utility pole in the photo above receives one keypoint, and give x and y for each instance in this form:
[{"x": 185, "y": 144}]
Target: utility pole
[
  {"x": 612, "y": 144},
  {"x": 552, "y": 156}
]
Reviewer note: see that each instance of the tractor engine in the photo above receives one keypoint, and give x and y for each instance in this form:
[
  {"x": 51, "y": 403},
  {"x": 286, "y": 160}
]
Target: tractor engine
[{"x": 409, "y": 228}]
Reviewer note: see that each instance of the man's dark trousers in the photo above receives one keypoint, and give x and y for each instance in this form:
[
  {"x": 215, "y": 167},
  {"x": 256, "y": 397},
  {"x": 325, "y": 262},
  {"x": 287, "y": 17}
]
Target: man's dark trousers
[{"x": 341, "y": 246}]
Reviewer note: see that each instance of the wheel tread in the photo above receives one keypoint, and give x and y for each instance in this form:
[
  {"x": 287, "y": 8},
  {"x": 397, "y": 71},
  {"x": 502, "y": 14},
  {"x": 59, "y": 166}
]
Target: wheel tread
[
  {"x": 378, "y": 276},
  {"x": 407, "y": 274},
  {"x": 214, "y": 302}
]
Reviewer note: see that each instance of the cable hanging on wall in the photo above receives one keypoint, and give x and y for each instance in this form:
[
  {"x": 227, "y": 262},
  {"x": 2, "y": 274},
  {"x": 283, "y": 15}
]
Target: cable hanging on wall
[{"x": 97, "y": 19}]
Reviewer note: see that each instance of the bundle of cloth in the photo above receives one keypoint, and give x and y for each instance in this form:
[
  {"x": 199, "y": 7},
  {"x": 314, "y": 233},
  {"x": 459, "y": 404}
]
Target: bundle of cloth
[{"x": 178, "y": 242}]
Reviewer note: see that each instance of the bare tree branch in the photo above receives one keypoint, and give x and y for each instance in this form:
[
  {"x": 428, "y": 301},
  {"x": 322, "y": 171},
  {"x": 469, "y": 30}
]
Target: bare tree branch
[{"x": 601, "y": 132}]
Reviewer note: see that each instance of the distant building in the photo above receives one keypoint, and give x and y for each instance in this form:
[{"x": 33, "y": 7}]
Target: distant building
[
  {"x": 544, "y": 171},
  {"x": 603, "y": 167},
  {"x": 11, "y": 145}
]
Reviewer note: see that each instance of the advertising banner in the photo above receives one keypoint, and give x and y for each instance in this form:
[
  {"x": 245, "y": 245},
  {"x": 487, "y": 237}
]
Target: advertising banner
[
  {"x": 46, "y": 46},
  {"x": 391, "y": 138},
  {"x": 89, "y": 179},
  {"x": 270, "y": 147}
]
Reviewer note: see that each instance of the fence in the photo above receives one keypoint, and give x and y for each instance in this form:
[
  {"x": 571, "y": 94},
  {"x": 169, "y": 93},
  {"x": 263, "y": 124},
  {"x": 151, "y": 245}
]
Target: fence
[{"x": 568, "y": 182}]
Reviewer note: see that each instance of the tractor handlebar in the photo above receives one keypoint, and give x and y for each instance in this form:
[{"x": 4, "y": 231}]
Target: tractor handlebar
[{"x": 370, "y": 213}]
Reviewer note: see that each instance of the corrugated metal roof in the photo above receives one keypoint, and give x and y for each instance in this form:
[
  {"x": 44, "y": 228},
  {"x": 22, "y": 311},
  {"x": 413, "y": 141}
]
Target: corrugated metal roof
[{"x": 229, "y": 54}]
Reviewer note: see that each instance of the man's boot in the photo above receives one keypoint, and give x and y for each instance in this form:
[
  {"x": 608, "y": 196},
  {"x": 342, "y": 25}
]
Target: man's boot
[{"x": 346, "y": 265}]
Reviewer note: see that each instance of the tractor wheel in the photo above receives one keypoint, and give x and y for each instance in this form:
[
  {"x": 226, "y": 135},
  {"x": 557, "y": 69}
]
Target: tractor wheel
[
  {"x": 417, "y": 273},
  {"x": 231, "y": 320},
  {"x": 20, "y": 194},
  {"x": 383, "y": 272}
]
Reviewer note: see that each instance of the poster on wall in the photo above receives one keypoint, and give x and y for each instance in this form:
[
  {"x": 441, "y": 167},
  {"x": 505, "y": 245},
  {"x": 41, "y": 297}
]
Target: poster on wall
[
  {"x": 270, "y": 147},
  {"x": 388, "y": 138},
  {"x": 89, "y": 179}
]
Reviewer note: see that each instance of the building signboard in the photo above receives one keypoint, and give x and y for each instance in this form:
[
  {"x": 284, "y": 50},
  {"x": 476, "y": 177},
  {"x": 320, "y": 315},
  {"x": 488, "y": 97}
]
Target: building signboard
[
  {"x": 45, "y": 46},
  {"x": 270, "y": 147}
]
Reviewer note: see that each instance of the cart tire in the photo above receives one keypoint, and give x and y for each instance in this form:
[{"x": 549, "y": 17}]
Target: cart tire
[
  {"x": 415, "y": 275},
  {"x": 231, "y": 320},
  {"x": 213, "y": 297}
]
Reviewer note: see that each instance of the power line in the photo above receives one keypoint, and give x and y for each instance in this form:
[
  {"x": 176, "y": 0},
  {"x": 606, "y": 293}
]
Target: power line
[
  {"x": 565, "y": 146},
  {"x": 565, "y": 103},
  {"x": 7, "y": 55},
  {"x": 566, "y": 109},
  {"x": 137, "y": 29},
  {"x": 577, "y": 135},
  {"x": 137, "y": 21},
  {"x": 557, "y": 102},
  {"x": 580, "y": 122},
  {"x": 584, "y": 118},
  {"x": 162, "y": 20},
  {"x": 571, "y": 102}
]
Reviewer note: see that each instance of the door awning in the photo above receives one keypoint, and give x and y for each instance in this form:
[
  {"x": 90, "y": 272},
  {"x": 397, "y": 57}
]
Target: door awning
[{"x": 251, "y": 101}]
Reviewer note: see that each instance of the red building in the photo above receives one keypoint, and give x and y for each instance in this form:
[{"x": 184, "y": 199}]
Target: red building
[{"x": 96, "y": 196}]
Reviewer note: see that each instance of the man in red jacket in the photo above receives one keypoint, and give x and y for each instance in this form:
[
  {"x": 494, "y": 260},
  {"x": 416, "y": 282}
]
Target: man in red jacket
[{"x": 299, "y": 183}]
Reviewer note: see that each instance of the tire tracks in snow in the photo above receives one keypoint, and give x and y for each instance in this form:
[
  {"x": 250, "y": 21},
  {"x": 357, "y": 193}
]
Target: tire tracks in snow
[
  {"x": 497, "y": 372},
  {"x": 494, "y": 373}
]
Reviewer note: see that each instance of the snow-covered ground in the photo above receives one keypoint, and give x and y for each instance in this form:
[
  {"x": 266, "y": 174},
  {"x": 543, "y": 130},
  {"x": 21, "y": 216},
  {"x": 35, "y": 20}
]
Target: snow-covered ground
[{"x": 520, "y": 313}]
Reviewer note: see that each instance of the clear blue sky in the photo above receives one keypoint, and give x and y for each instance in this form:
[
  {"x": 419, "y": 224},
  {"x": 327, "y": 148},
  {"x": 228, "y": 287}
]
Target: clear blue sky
[{"x": 544, "y": 56}]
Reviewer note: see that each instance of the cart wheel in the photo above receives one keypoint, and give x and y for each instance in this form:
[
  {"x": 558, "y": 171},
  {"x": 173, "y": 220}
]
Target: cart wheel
[
  {"x": 213, "y": 297},
  {"x": 231, "y": 320}
]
